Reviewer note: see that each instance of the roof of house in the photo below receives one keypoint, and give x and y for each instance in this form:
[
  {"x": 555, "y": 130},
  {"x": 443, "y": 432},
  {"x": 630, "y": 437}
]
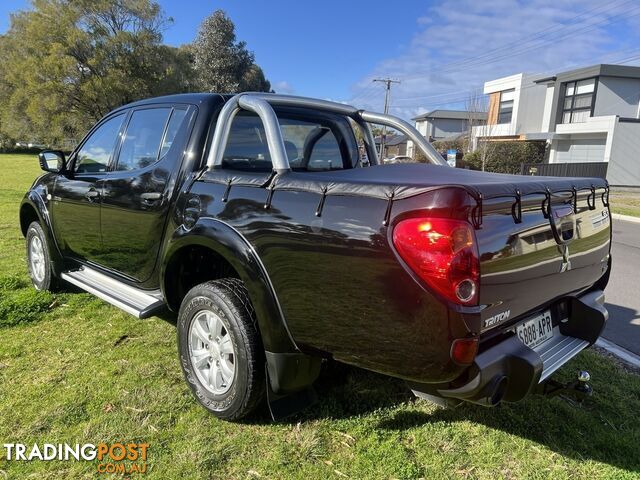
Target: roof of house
[
  {"x": 392, "y": 140},
  {"x": 452, "y": 114},
  {"x": 601, "y": 69}
]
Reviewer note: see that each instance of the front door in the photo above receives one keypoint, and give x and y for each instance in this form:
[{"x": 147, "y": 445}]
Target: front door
[
  {"x": 137, "y": 193},
  {"x": 77, "y": 194}
]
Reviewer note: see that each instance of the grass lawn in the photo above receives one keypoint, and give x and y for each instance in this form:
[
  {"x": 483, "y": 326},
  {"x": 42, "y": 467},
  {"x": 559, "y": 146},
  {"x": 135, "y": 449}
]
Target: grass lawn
[
  {"x": 625, "y": 202},
  {"x": 74, "y": 369}
]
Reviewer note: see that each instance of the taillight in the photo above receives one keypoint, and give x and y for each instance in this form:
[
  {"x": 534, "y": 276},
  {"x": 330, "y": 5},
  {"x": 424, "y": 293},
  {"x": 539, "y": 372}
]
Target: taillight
[{"x": 442, "y": 252}]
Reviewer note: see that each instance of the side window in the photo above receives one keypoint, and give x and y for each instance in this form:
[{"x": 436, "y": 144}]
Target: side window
[
  {"x": 175, "y": 122},
  {"x": 94, "y": 155},
  {"x": 141, "y": 144},
  {"x": 247, "y": 148}
]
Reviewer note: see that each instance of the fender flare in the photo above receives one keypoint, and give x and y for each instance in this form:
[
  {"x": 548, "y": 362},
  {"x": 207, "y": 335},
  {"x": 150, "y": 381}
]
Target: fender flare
[
  {"x": 34, "y": 200},
  {"x": 230, "y": 244}
]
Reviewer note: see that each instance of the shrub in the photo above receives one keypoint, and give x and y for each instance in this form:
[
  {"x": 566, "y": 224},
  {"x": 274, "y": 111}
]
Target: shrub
[
  {"x": 459, "y": 144},
  {"x": 505, "y": 157},
  {"x": 23, "y": 306}
]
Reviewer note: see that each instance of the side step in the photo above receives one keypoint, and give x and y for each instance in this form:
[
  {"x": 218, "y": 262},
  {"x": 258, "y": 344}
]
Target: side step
[
  {"x": 140, "y": 303},
  {"x": 557, "y": 351}
]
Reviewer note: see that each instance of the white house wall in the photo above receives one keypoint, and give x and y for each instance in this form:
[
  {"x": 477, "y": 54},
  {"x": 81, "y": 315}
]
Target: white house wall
[{"x": 624, "y": 165}]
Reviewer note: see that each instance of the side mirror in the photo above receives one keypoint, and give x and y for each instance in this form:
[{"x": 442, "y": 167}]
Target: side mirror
[{"x": 52, "y": 161}]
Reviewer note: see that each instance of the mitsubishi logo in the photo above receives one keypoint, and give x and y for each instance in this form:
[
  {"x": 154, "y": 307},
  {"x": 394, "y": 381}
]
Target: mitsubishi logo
[
  {"x": 563, "y": 225},
  {"x": 566, "y": 262}
]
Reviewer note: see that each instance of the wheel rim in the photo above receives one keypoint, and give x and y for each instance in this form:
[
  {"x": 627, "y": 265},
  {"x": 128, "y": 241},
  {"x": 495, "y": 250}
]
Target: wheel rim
[
  {"x": 211, "y": 351},
  {"x": 36, "y": 258}
]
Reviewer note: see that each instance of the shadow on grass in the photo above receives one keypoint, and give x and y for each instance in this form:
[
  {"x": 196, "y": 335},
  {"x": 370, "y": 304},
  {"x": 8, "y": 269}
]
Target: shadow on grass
[{"x": 604, "y": 429}]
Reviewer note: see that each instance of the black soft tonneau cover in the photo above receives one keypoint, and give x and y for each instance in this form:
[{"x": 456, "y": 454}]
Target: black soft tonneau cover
[{"x": 405, "y": 180}]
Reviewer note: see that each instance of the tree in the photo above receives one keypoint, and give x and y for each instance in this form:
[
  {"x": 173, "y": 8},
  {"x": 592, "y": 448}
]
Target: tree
[
  {"x": 66, "y": 63},
  {"x": 221, "y": 63},
  {"x": 479, "y": 130}
]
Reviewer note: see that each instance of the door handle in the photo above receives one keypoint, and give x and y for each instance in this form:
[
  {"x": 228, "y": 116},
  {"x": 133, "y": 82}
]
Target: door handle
[
  {"x": 151, "y": 196},
  {"x": 91, "y": 195}
]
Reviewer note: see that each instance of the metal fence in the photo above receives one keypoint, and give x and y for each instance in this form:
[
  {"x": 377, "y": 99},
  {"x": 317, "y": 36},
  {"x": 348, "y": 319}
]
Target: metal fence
[{"x": 585, "y": 169}]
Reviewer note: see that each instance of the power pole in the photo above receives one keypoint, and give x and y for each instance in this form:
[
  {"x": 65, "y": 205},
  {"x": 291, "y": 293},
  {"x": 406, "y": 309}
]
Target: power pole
[{"x": 387, "y": 94}]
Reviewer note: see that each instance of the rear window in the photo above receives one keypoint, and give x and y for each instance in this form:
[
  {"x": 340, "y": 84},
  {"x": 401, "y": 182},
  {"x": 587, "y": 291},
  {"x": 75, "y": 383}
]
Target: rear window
[{"x": 310, "y": 146}]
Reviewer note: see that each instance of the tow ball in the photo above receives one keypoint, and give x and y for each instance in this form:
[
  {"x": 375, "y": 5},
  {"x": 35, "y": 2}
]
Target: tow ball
[{"x": 573, "y": 392}]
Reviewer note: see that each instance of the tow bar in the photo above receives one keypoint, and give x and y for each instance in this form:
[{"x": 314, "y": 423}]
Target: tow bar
[{"x": 579, "y": 389}]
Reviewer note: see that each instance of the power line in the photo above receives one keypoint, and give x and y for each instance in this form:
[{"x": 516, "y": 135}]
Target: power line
[
  {"x": 387, "y": 94},
  {"x": 521, "y": 48}
]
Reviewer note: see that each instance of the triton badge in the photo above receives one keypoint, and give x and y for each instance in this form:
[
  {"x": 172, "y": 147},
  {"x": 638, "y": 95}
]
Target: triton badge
[{"x": 499, "y": 318}]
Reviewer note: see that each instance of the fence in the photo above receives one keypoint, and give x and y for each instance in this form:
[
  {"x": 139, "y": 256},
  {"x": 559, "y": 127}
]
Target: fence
[{"x": 585, "y": 169}]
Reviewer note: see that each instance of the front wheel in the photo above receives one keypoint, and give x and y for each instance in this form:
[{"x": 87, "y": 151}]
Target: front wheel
[
  {"x": 220, "y": 348},
  {"x": 39, "y": 259}
]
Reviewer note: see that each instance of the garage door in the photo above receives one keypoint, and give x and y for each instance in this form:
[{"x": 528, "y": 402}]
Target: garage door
[{"x": 581, "y": 150}]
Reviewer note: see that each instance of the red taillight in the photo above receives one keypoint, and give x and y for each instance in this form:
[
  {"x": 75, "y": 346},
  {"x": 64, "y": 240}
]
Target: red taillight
[
  {"x": 464, "y": 350},
  {"x": 442, "y": 252}
]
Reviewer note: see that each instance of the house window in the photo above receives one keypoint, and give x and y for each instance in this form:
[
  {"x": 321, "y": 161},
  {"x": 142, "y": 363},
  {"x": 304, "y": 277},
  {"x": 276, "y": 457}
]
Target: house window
[
  {"x": 506, "y": 106},
  {"x": 578, "y": 100}
]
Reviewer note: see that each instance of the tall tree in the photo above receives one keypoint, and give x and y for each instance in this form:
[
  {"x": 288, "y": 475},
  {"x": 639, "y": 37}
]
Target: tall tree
[
  {"x": 66, "y": 63},
  {"x": 223, "y": 64}
]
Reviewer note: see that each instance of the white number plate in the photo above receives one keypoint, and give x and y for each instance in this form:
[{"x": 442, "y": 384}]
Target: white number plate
[{"x": 535, "y": 331}]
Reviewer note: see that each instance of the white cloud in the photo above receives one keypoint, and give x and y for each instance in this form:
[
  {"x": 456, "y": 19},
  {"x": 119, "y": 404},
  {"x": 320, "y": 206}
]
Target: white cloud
[
  {"x": 282, "y": 87},
  {"x": 460, "y": 44}
]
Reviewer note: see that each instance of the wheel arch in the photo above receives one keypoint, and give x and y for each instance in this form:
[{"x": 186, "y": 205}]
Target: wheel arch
[
  {"x": 227, "y": 245},
  {"x": 33, "y": 209}
]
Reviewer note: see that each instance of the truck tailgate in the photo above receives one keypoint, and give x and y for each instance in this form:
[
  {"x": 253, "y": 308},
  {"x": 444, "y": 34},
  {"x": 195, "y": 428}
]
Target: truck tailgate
[{"x": 524, "y": 266}]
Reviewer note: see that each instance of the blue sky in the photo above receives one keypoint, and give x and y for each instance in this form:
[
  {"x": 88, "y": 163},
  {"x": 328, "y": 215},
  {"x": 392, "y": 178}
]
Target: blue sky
[{"x": 441, "y": 51}]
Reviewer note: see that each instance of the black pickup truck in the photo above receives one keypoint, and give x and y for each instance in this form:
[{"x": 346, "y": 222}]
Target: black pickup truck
[{"x": 269, "y": 223}]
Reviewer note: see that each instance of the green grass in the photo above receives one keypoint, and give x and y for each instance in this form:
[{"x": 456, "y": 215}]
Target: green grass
[
  {"x": 74, "y": 369},
  {"x": 625, "y": 203}
]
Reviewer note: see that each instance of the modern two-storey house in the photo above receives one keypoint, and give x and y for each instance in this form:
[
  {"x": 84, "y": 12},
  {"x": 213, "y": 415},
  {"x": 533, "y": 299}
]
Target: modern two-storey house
[{"x": 590, "y": 114}]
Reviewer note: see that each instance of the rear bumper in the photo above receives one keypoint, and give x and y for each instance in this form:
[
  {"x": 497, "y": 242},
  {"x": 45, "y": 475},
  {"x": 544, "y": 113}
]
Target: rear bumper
[{"x": 510, "y": 370}]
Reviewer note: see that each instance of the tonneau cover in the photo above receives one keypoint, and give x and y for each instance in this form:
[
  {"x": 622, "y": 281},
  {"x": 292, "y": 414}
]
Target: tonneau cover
[{"x": 405, "y": 180}]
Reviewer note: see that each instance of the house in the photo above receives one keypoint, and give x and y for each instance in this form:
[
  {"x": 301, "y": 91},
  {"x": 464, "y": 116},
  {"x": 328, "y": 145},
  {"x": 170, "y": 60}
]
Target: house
[
  {"x": 445, "y": 124},
  {"x": 393, "y": 145},
  {"x": 590, "y": 114},
  {"x": 516, "y": 105}
]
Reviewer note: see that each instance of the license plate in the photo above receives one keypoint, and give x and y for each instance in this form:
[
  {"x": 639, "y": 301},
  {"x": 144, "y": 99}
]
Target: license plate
[{"x": 535, "y": 331}]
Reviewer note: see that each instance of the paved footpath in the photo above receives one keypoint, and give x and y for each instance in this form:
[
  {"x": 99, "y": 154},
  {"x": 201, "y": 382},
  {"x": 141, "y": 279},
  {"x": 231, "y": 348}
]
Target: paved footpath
[{"x": 623, "y": 291}]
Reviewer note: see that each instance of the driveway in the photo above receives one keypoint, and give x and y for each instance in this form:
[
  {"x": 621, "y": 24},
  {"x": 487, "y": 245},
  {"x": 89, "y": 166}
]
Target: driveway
[{"x": 623, "y": 291}]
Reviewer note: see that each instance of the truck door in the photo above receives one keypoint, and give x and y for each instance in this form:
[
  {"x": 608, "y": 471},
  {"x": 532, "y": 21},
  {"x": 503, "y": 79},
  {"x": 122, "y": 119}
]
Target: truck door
[
  {"x": 78, "y": 193},
  {"x": 137, "y": 193}
]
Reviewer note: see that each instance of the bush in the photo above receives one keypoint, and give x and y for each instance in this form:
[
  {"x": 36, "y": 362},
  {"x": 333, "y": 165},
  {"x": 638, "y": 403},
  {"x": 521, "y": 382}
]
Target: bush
[
  {"x": 459, "y": 144},
  {"x": 506, "y": 157},
  {"x": 23, "y": 306}
]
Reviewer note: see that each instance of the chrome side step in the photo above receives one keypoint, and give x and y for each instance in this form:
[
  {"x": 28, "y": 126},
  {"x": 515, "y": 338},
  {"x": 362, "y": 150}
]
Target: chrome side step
[
  {"x": 557, "y": 351},
  {"x": 139, "y": 303}
]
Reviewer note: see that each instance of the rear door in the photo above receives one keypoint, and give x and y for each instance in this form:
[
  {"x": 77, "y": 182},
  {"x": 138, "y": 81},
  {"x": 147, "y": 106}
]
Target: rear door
[
  {"x": 137, "y": 192},
  {"x": 78, "y": 194}
]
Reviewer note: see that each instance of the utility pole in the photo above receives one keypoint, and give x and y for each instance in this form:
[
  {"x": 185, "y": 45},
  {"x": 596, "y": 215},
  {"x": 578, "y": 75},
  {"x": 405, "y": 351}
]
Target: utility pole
[{"x": 387, "y": 94}]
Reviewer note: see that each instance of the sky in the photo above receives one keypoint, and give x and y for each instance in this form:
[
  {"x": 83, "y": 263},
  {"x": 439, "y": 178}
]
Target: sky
[{"x": 441, "y": 51}]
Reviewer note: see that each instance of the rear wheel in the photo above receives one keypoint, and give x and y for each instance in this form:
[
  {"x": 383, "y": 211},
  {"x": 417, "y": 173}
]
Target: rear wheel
[
  {"x": 39, "y": 259},
  {"x": 220, "y": 348}
]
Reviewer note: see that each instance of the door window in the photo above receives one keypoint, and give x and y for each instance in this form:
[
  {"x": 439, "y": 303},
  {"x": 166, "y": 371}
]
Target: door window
[
  {"x": 96, "y": 152},
  {"x": 141, "y": 144}
]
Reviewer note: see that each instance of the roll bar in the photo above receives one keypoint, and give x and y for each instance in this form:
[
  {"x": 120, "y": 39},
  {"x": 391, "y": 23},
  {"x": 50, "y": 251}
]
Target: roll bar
[{"x": 261, "y": 104}]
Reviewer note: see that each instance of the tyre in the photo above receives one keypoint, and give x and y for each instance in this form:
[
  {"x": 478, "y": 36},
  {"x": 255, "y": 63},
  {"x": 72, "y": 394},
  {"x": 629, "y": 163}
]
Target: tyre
[
  {"x": 39, "y": 259},
  {"x": 220, "y": 348}
]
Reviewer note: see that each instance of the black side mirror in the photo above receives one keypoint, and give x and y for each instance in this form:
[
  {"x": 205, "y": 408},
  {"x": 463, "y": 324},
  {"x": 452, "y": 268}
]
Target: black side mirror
[{"x": 52, "y": 161}]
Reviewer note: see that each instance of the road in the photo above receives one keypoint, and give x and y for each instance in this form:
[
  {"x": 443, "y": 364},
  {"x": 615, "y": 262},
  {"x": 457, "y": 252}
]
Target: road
[{"x": 623, "y": 291}]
